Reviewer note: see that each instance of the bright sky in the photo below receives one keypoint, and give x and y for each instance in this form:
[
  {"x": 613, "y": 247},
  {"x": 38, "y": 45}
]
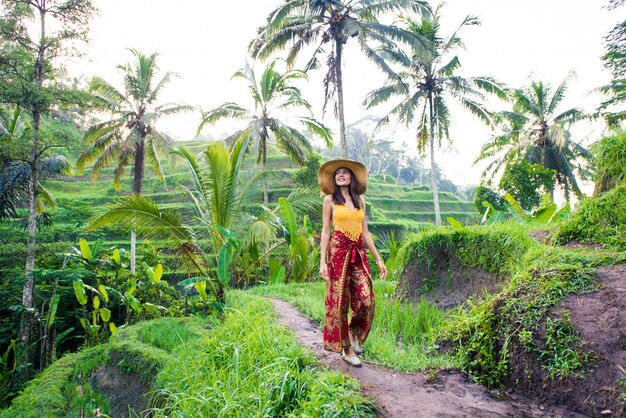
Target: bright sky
[{"x": 205, "y": 42}]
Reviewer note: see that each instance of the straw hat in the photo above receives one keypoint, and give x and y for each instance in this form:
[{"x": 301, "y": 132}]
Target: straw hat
[{"x": 326, "y": 175}]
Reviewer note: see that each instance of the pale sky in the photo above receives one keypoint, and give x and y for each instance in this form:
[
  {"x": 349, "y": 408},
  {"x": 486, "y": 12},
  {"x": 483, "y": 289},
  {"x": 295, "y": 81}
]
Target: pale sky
[{"x": 205, "y": 42}]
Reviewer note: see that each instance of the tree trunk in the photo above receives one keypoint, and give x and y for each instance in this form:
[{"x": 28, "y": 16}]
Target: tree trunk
[
  {"x": 29, "y": 284},
  {"x": 340, "y": 112},
  {"x": 133, "y": 250},
  {"x": 137, "y": 186},
  {"x": 433, "y": 166},
  {"x": 266, "y": 198}
]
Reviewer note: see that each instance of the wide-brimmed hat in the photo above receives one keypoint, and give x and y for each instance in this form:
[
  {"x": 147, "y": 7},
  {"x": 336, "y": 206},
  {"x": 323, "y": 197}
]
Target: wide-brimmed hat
[{"x": 326, "y": 175}]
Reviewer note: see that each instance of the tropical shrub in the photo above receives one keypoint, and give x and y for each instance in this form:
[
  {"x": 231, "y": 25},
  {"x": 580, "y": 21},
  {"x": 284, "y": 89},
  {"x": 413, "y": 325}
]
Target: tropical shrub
[
  {"x": 526, "y": 182},
  {"x": 598, "y": 220},
  {"x": 609, "y": 156}
]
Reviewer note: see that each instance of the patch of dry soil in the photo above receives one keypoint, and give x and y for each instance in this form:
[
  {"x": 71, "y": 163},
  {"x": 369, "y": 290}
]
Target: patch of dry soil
[
  {"x": 450, "y": 394},
  {"x": 445, "y": 282},
  {"x": 124, "y": 391},
  {"x": 600, "y": 317}
]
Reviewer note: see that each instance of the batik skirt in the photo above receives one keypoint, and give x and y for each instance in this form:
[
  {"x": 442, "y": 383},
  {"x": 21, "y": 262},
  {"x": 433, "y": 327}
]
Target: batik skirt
[{"x": 349, "y": 286}]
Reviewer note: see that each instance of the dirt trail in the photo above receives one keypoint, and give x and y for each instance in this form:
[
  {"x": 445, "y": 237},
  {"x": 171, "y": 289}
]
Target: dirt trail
[{"x": 415, "y": 394}]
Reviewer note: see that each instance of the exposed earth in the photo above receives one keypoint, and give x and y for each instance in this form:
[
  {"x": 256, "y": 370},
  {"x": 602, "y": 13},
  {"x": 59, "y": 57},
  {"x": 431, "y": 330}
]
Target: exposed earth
[
  {"x": 446, "y": 393},
  {"x": 600, "y": 318}
]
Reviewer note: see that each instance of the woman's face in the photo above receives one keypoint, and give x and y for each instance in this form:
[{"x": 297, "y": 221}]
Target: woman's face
[{"x": 343, "y": 177}]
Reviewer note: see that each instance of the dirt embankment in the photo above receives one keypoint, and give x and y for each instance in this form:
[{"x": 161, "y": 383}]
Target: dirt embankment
[
  {"x": 600, "y": 318},
  {"x": 443, "y": 281},
  {"x": 447, "y": 393}
]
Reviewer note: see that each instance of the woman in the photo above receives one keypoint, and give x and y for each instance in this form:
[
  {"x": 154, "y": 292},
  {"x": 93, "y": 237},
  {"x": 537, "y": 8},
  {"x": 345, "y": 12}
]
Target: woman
[{"x": 343, "y": 263}]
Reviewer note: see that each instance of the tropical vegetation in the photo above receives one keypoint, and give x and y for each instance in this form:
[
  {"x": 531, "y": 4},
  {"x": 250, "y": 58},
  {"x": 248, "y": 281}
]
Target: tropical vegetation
[
  {"x": 426, "y": 77},
  {"x": 131, "y": 137},
  {"x": 510, "y": 291},
  {"x": 306, "y": 25},
  {"x": 540, "y": 132},
  {"x": 272, "y": 93}
]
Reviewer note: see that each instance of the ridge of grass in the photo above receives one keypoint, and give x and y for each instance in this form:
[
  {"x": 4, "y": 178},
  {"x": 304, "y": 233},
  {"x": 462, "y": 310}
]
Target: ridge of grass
[{"x": 243, "y": 364}]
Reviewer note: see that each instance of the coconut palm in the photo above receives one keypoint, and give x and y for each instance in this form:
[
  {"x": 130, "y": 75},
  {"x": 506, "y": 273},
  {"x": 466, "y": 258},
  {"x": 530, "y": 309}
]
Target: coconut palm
[
  {"x": 541, "y": 135},
  {"x": 217, "y": 195},
  {"x": 15, "y": 174},
  {"x": 427, "y": 79},
  {"x": 272, "y": 93},
  {"x": 298, "y": 24},
  {"x": 219, "y": 192},
  {"x": 131, "y": 135}
]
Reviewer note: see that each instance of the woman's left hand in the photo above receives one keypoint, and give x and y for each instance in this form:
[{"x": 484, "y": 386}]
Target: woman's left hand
[{"x": 382, "y": 268}]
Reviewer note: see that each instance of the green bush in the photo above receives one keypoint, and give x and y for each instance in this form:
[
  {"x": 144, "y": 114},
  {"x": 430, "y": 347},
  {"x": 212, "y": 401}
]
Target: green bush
[
  {"x": 496, "y": 248},
  {"x": 610, "y": 162},
  {"x": 600, "y": 220}
]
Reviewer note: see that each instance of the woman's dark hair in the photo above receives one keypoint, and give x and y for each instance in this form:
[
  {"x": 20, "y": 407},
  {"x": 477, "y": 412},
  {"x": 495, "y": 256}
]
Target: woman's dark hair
[{"x": 338, "y": 198}]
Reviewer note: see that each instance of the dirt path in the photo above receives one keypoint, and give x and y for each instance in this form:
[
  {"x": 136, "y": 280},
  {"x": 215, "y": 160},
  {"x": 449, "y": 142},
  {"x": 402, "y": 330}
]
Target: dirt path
[{"x": 398, "y": 394}]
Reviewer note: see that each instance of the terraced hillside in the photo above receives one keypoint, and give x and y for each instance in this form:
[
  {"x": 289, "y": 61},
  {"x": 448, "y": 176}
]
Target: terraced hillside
[{"x": 391, "y": 207}]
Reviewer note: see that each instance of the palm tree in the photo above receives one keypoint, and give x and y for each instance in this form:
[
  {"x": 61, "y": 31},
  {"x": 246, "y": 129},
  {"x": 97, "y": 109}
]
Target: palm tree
[
  {"x": 427, "y": 78},
  {"x": 273, "y": 93},
  {"x": 131, "y": 135},
  {"x": 300, "y": 23},
  {"x": 541, "y": 136},
  {"x": 217, "y": 195},
  {"x": 219, "y": 192},
  {"x": 16, "y": 173}
]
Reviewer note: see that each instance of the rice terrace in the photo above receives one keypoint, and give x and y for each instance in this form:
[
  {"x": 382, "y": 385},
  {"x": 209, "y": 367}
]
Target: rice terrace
[{"x": 312, "y": 208}]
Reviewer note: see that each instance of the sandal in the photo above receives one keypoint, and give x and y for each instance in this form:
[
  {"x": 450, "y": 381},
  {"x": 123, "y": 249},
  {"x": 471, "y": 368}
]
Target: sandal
[
  {"x": 354, "y": 342},
  {"x": 351, "y": 360}
]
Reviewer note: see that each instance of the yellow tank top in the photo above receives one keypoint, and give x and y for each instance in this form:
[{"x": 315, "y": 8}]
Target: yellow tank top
[{"x": 349, "y": 222}]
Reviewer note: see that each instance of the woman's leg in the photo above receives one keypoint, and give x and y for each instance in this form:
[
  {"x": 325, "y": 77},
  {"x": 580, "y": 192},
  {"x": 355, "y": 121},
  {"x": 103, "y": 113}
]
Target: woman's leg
[
  {"x": 362, "y": 303},
  {"x": 337, "y": 301}
]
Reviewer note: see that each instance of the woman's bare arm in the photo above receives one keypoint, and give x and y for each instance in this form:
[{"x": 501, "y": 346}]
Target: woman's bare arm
[
  {"x": 369, "y": 243},
  {"x": 327, "y": 213}
]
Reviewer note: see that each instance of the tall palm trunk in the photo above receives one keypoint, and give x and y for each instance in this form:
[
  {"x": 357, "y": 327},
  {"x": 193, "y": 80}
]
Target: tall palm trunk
[
  {"x": 340, "y": 114},
  {"x": 29, "y": 283},
  {"x": 266, "y": 197},
  {"x": 137, "y": 186},
  {"x": 433, "y": 166}
]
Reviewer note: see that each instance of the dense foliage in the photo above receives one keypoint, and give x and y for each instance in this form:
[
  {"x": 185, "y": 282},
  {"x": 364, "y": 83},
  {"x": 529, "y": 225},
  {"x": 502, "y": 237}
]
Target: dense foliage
[
  {"x": 599, "y": 220},
  {"x": 526, "y": 182},
  {"x": 610, "y": 162},
  {"x": 242, "y": 364}
]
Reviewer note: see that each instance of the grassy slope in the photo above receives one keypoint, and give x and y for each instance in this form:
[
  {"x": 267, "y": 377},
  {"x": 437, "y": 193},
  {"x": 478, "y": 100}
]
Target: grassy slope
[
  {"x": 245, "y": 365},
  {"x": 392, "y": 207}
]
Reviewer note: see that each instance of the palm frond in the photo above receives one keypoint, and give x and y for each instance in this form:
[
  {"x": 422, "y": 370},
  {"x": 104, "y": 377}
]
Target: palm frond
[
  {"x": 570, "y": 116},
  {"x": 318, "y": 129},
  {"x": 106, "y": 92},
  {"x": 225, "y": 111},
  {"x": 559, "y": 93},
  {"x": 292, "y": 142},
  {"x": 143, "y": 215}
]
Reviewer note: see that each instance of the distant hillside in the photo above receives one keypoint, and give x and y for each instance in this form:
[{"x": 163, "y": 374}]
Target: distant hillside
[{"x": 391, "y": 207}]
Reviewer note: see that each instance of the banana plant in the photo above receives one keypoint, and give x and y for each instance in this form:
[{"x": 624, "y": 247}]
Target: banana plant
[
  {"x": 155, "y": 274},
  {"x": 298, "y": 263},
  {"x": 200, "y": 285},
  {"x": 99, "y": 313},
  {"x": 546, "y": 212}
]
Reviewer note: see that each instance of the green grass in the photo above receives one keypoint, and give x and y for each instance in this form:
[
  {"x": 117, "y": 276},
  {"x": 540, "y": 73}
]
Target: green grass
[
  {"x": 402, "y": 335},
  {"x": 249, "y": 366},
  {"x": 241, "y": 365},
  {"x": 599, "y": 220}
]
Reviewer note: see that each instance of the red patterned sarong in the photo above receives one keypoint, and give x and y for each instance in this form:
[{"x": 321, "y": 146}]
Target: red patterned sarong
[{"x": 349, "y": 285}]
